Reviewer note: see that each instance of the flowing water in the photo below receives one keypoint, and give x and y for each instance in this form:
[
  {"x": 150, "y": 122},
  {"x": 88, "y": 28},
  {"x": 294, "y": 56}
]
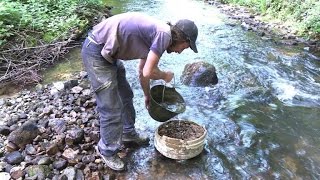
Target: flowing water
[{"x": 262, "y": 118}]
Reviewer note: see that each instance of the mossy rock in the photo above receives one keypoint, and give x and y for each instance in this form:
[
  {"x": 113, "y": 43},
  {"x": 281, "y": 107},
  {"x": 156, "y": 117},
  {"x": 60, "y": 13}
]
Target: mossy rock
[{"x": 39, "y": 171}]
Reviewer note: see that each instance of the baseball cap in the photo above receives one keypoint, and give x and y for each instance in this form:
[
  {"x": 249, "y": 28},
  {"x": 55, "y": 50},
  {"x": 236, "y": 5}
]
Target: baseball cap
[{"x": 190, "y": 29}]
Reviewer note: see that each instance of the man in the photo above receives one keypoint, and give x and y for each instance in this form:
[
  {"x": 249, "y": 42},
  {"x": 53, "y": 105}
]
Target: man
[{"x": 124, "y": 37}]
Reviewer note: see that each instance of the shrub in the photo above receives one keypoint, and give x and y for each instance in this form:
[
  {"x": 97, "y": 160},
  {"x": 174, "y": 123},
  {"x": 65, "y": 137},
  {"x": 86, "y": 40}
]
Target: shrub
[{"x": 49, "y": 20}]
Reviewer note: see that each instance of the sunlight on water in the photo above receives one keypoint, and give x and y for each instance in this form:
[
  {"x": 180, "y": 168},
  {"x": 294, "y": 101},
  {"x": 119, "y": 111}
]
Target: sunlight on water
[{"x": 284, "y": 90}]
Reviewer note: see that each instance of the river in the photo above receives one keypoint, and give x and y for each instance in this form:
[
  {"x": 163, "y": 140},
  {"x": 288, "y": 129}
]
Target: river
[{"x": 262, "y": 118}]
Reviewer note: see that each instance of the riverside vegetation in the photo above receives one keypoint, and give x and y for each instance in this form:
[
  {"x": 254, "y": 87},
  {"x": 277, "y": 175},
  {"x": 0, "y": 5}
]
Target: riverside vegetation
[{"x": 35, "y": 33}]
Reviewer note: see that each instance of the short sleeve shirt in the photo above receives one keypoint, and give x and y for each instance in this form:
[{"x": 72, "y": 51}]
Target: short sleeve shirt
[{"x": 131, "y": 36}]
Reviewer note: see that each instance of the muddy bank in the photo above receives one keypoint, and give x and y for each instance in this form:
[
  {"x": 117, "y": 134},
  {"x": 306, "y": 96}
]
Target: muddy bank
[{"x": 276, "y": 32}]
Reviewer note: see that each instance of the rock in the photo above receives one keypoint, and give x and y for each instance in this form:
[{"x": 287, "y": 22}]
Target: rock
[
  {"x": 80, "y": 165},
  {"x": 59, "y": 86},
  {"x": 93, "y": 176},
  {"x": 44, "y": 161},
  {"x": 30, "y": 150},
  {"x": 2, "y": 101},
  {"x": 74, "y": 136},
  {"x": 70, "y": 173},
  {"x": 14, "y": 157},
  {"x": 11, "y": 147},
  {"x": 58, "y": 125},
  {"x": 17, "y": 172},
  {"x": 79, "y": 175},
  {"x": 60, "y": 164},
  {"x": 76, "y": 90},
  {"x": 70, "y": 153},
  {"x": 199, "y": 74},
  {"x": 13, "y": 119},
  {"x": 2, "y": 166},
  {"x": 88, "y": 158},
  {"x": 52, "y": 149},
  {"x": 23, "y": 115},
  {"x": 71, "y": 83},
  {"x": 24, "y": 135},
  {"x": 39, "y": 171}
]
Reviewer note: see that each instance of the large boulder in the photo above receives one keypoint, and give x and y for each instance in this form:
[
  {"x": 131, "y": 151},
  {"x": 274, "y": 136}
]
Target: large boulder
[{"x": 199, "y": 74}]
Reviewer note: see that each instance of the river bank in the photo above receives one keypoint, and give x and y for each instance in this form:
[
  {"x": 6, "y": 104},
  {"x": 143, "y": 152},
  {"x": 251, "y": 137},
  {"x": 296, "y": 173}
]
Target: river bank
[{"x": 278, "y": 32}]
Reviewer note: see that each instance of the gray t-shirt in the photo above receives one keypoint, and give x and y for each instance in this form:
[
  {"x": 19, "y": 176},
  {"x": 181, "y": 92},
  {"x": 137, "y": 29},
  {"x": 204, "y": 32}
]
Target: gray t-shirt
[{"x": 131, "y": 36}]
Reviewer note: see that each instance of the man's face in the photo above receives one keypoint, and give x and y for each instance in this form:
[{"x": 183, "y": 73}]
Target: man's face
[{"x": 178, "y": 48}]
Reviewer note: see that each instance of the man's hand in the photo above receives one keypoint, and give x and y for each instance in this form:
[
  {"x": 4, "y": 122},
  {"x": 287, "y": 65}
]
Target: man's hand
[
  {"x": 147, "y": 100},
  {"x": 168, "y": 77}
]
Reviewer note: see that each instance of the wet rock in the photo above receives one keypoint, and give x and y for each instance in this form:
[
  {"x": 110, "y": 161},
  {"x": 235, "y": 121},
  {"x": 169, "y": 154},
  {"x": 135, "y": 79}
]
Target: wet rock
[
  {"x": 39, "y": 171},
  {"x": 199, "y": 74},
  {"x": 14, "y": 157},
  {"x": 24, "y": 135}
]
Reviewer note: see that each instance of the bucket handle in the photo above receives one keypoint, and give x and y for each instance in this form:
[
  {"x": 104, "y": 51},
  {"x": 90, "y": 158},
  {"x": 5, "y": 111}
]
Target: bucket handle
[
  {"x": 164, "y": 87},
  {"x": 173, "y": 84}
]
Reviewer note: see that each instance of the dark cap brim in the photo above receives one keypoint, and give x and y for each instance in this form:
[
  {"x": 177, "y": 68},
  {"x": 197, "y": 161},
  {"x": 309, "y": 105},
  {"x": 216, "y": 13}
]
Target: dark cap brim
[{"x": 193, "y": 46}]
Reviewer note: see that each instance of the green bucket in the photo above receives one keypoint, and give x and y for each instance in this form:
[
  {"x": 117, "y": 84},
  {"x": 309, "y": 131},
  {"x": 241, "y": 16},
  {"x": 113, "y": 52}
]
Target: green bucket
[{"x": 165, "y": 103}]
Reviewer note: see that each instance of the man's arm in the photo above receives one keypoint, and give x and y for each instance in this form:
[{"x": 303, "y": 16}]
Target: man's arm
[
  {"x": 148, "y": 69},
  {"x": 145, "y": 83},
  {"x": 151, "y": 70}
]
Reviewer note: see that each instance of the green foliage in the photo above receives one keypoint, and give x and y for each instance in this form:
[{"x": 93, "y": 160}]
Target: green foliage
[
  {"x": 305, "y": 15},
  {"x": 50, "y": 20}
]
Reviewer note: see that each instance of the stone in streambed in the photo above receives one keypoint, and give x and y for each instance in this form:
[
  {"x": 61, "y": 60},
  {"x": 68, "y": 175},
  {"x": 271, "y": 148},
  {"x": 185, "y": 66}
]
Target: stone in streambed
[{"x": 199, "y": 74}]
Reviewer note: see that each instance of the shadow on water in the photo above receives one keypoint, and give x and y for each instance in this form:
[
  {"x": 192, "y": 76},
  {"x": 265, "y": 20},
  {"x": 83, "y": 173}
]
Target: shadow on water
[{"x": 262, "y": 117}]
